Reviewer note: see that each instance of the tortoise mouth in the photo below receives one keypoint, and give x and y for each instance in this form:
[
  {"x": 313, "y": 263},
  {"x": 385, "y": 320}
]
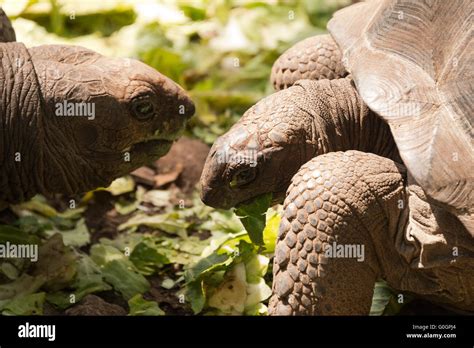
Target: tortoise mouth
[
  {"x": 153, "y": 147},
  {"x": 277, "y": 198},
  {"x": 219, "y": 202},
  {"x": 157, "y": 145}
]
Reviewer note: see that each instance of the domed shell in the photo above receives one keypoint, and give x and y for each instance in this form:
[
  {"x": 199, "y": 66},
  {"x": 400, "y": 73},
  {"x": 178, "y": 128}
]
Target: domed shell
[{"x": 413, "y": 64}]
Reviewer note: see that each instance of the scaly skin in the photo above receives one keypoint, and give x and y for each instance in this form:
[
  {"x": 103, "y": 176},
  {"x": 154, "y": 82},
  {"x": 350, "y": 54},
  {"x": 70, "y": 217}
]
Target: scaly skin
[
  {"x": 359, "y": 199},
  {"x": 331, "y": 199},
  {"x": 137, "y": 114},
  {"x": 285, "y": 130},
  {"x": 315, "y": 58}
]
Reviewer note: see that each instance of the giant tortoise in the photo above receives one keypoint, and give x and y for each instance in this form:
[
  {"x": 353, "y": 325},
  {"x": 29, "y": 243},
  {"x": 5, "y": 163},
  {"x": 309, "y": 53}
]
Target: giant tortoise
[
  {"x": 73, "y": 120},
  {"x": 371, "y": 139}
]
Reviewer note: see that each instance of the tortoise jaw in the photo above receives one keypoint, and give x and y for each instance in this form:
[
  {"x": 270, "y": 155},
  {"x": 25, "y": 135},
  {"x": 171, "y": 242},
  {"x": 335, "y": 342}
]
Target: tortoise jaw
[
  {"x": 167, "y": 136},
  {"x": 216, "y": 200},
  {"x": 154, "y": 147},
  {"x": 277, "y": 198}
]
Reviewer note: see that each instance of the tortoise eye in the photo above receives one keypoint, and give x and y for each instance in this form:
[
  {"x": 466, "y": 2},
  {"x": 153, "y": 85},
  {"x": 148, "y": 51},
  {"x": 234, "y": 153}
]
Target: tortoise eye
[
  {"x": 143, "y": 109},
  {"x": 243, "y": 177}
]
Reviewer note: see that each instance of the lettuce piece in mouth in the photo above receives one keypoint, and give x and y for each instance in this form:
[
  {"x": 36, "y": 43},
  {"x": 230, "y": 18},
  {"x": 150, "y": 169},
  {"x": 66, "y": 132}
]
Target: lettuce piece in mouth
[{"x": 252, "y": 216}]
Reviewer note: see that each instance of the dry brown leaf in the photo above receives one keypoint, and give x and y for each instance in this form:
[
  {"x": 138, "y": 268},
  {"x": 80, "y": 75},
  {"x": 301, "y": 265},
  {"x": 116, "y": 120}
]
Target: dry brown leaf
[
  {"x": 166, "y": 178},
  {"x": 144, "y": 175}
]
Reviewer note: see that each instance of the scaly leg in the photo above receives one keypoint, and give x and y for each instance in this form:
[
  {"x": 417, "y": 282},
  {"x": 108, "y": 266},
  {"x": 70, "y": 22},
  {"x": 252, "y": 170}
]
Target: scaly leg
[
  {"x": 337, "y": 200},
  {"x": 314, "y": 58}
]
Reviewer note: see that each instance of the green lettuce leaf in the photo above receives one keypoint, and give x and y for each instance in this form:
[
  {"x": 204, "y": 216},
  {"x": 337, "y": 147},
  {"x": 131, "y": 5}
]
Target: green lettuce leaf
[
  {"x": 141, "y": 307},
  {"x": 147, "y": 259},
  {"x": 31, "y": 304},
  {"x": 121, "y": 275},
  {"x": 252, "y": 216}
]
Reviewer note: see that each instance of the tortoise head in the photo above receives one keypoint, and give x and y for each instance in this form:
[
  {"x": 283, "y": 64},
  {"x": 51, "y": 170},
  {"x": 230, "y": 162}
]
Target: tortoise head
[
  {"x": 259, "y": 154},
  {"x": 104, "y": 116}
]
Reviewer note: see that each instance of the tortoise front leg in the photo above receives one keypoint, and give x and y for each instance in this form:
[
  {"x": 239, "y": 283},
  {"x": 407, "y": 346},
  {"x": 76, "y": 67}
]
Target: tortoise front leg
[
  {"x": 314, "y": 58},
  {"x": 337, "y": 200}
]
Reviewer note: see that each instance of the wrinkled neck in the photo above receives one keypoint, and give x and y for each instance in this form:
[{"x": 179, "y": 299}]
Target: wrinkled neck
[
  {"x": 21, "y": 152},
  {"x": 65, "y": 169},
  {"x": 343, "y": 122}
]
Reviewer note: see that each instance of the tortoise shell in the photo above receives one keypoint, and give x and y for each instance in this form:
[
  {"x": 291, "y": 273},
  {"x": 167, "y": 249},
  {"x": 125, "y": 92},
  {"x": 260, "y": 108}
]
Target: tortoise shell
[{"x": 412, "y": 63}]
